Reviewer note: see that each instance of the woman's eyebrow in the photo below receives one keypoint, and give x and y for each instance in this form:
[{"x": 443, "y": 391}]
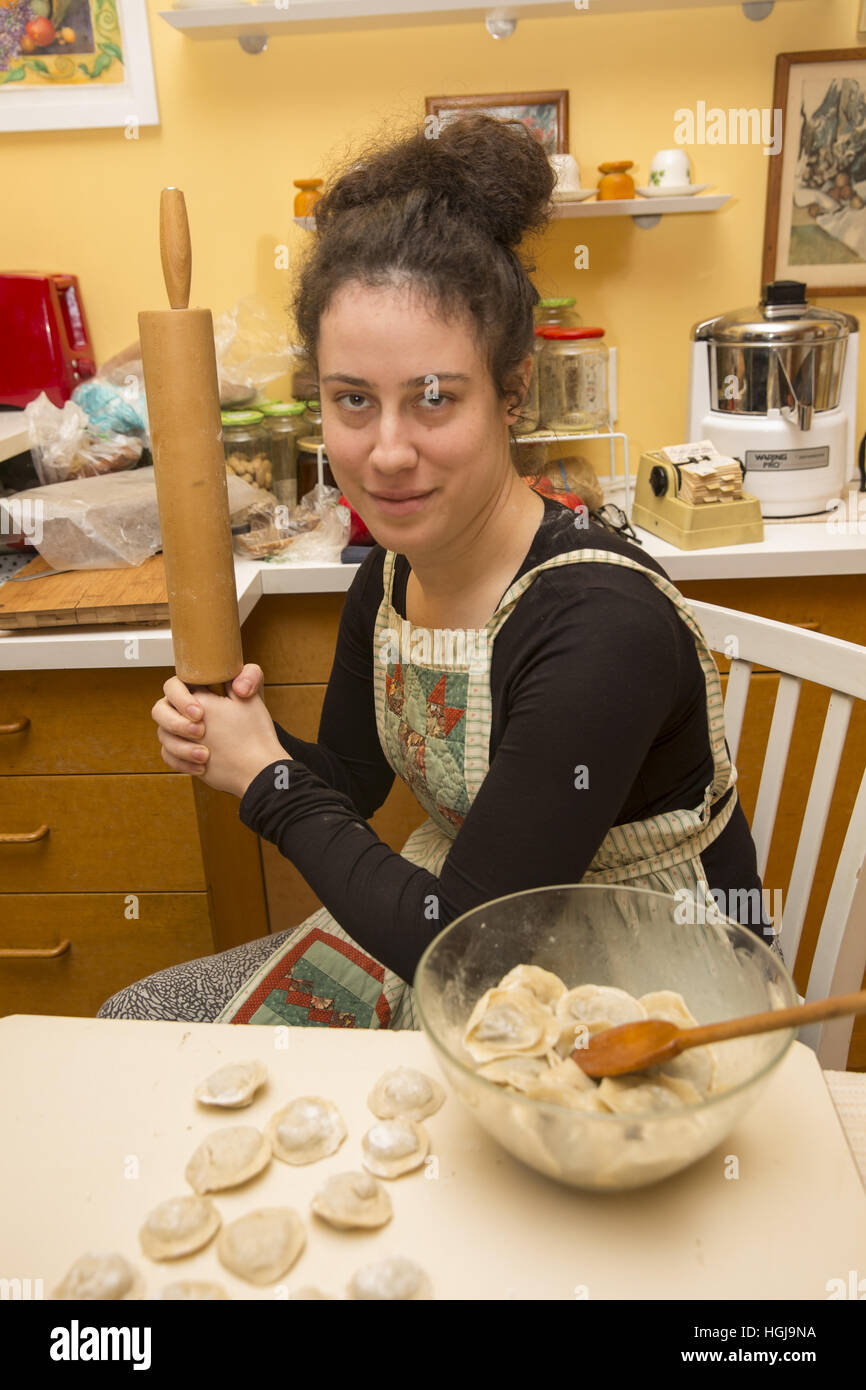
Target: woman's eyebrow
[{"x": 413, "y": 381}]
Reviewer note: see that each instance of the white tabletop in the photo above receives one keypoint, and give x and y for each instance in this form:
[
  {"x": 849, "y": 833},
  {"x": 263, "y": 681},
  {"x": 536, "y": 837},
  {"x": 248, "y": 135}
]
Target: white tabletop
[{"x": 104, "y": 1123}]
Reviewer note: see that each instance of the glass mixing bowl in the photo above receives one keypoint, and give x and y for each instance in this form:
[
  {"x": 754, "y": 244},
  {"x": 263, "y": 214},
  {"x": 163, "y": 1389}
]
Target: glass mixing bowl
[{"x": 605, "y": 935}]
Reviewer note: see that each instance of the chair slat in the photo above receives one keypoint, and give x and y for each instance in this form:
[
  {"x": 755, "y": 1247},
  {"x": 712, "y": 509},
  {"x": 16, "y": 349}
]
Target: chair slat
[
  {"x": 775, "y": 762},
  {"x": 814, "y": 822},
  {"x": 735, "y": 703},
  {"x": 840, "y": 956}
]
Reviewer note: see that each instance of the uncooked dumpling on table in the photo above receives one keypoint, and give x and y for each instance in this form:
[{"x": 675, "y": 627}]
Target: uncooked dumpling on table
[
  {"x": 353, "y": 1200},
  {"x": 306, "y": 1129},
  {"x": 509, "y": 1021},
  {"x": 227, "y": 1158},
  {"x": 263, "y": 1245},
  {"x": 179, "y": 1226},
  {"x": 405, "y": 1092},
  {"x": 232, "y": 1086},
  {"x": 396, "y": 1277},
  {"x": 98, "y": 1275},
  {"x": 393, "y": 1147}
]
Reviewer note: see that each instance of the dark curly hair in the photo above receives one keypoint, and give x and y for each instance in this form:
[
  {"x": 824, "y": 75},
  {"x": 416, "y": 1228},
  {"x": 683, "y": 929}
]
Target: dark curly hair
[{"x": 445, "y": 214}]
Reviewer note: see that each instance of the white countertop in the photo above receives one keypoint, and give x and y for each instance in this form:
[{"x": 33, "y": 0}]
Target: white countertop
[
  {"x": 14, "y": 434},
  {"x": 788, "y": 549}
]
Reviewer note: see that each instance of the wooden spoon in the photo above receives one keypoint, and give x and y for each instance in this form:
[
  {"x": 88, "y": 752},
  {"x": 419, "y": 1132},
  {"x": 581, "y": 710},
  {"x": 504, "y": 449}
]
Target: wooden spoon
[{"x": 635, "y": 1046}]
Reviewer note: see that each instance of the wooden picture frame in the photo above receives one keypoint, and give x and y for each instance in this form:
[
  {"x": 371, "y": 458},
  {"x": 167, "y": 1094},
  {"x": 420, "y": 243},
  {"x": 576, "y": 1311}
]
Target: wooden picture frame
[
  {"x": 545, "y": 113},
  {"x": 815, "y": 219}
]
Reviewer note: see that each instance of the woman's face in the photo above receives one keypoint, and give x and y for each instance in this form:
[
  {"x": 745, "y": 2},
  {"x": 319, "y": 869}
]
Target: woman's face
[{"x": 416, "y": 436}]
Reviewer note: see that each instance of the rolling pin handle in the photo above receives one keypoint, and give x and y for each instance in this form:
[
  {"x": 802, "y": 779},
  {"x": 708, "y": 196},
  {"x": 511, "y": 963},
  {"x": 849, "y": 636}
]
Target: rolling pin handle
[{"x": 175, "y": 247}]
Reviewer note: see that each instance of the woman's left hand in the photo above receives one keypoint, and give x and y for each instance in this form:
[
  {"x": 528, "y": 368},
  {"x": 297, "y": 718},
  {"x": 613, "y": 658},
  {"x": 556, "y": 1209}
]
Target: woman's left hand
[{"x": 240, "y": 740}]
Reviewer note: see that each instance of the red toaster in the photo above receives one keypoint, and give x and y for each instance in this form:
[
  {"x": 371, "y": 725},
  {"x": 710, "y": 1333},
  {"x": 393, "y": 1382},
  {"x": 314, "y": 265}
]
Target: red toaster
[{"x": 44, "y": 342}]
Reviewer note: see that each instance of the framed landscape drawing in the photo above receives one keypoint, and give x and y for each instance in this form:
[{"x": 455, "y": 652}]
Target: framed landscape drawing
[
  {"x": 545, "y": 113},
  {"x": 815, "y": 227},
  {"x": 70, "y": 64}
]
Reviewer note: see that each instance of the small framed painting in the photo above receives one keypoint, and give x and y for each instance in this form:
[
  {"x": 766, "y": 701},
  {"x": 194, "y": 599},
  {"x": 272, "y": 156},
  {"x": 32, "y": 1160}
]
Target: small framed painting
[
  {"x": 72, "y": 64},
  {"x": 545, "y": 113},
  {"x": 815, "y": 228}
]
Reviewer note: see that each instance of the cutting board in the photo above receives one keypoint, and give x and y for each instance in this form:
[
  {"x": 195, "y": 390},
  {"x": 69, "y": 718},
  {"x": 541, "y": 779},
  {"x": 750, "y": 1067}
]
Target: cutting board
[
  {"x": 105, "y": 1122},
  {"x": 129, "y": 596}
]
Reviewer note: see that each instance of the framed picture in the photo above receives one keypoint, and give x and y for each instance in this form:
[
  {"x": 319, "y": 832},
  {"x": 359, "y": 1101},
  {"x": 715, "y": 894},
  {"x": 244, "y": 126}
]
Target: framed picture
[
  {"x": 72, "y": 64},
  {"x": 545, "y": 113},
  {"x": 815, "y": 228}
]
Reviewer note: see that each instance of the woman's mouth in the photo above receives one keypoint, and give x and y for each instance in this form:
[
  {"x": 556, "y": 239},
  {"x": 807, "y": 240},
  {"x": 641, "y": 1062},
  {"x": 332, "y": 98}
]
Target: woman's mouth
[{"x": 400, "y": 503}]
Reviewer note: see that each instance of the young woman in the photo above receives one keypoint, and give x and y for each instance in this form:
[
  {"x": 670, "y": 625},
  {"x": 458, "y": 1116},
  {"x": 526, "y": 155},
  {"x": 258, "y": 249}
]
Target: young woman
[{"x": 568, "y": 730}]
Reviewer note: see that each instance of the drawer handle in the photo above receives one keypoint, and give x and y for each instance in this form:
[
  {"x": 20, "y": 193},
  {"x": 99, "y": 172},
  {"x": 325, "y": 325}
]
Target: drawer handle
[
  {"x": 17, "y": 728},
  {"x": 35, "y": 952},
  {"x": 25, "y": 837}
]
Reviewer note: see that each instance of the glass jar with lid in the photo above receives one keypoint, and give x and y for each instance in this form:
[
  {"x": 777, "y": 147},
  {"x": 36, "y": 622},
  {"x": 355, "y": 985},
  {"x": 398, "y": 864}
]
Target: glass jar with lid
[
  {"x": 246, "y": 446},
  {"x": 308, "y": 466},
  {"x": 572, "y": 378},
  {"x": 313, "y": 417},
  {"x": 556, "y": 313},
  {"x": 284, "y": 427}
]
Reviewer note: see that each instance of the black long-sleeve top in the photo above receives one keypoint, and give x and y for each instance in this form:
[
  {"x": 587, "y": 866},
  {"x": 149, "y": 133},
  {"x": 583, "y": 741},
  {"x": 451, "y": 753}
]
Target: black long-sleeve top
[{"x": 593, "y": 667}]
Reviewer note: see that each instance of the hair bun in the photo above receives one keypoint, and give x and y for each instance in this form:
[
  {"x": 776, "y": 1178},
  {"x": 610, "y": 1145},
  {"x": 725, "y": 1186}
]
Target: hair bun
[{"x": 492, "y": 173}]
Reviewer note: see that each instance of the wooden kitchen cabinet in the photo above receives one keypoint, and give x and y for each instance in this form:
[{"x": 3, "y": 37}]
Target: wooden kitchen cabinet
[
  {"x": 836, "y": 606},
  {"x": 114, "y": 938},
  {"x": 115, "y": 864}
]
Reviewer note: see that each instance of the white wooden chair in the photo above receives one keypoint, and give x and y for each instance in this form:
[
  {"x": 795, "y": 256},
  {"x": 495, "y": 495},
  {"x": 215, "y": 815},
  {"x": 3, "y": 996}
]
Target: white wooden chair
[{"x": 799, "y": 655}]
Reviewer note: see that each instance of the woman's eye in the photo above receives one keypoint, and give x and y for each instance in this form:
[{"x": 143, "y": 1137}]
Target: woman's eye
[
  {"x": 435, "y": 402},
  {"x": 351, "y": 396}
]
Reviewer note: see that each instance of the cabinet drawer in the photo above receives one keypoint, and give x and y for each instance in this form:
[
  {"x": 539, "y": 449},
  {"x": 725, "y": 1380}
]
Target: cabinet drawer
[
  {"x": 80, "y": 721},
  {"x": 293, "y": 636},
  {"x": 107, "y": 948},
  {"x": 105, "y": 834}
]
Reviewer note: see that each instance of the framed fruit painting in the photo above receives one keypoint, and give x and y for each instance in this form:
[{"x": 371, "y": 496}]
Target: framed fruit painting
[{"x": 70, "y": 64}]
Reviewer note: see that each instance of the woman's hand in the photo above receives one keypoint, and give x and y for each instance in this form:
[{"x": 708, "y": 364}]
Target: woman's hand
[{"x": 241, "y": 739}]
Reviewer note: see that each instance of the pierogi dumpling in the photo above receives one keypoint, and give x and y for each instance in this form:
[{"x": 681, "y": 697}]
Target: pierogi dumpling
[
  {"x": 197, "y": 1289},
  {"x": 597, "y": 1007},
  {"x": 565, "y": 1084},
  {"x": 407, "y": 1092},
  {"x": 179, "y": 1226},
  {"x": 97, "y": 1275},
  {"x": 396, "y": 1277},
  {"x": 633, "y": 1093},
  {"x": 306, "y": 1129},
  {"x": 392, "y": 1147},
  {"x": 509, "y": 1021},
  {"x": 667, "y": 1004},
  {"x": 263, "y": 1245},
  {"x": 547, "y": 987},
  {"x": 232, "y": 1086},
  {"x": 517, "y": 1072},
  {"x": 227, "y": 1158},
  {"x": 353, "y": 1200}
]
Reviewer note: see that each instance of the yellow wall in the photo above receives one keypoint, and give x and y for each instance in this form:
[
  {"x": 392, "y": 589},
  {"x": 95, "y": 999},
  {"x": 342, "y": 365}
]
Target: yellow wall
[{"x": 236, "y": 129}]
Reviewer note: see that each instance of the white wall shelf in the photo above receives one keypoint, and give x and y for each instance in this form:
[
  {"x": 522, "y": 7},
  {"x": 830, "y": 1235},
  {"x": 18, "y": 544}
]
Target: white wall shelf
[
  {"x": 253, "y": 25},
  {"x": 646, "y": 212}
]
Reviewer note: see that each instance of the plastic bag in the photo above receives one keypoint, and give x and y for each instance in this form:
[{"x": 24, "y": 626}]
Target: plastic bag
[
  {"x": 115, "y": 403},
  {"x": 64, "y": 446},
  {"x": 103, "y": 523},
  {"x": 316, "y": 530},
  {"x": 253, "y": 349}
]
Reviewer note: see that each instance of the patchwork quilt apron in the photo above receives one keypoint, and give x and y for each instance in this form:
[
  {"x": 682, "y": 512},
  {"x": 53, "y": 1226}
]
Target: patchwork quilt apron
[{"x": 433, "y": 713}]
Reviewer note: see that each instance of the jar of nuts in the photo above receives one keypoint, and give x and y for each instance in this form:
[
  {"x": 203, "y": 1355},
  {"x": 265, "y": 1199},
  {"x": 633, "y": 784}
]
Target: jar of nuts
[
  {"x": 284, "y": 427},
  {"x": 246, "y": 445}
]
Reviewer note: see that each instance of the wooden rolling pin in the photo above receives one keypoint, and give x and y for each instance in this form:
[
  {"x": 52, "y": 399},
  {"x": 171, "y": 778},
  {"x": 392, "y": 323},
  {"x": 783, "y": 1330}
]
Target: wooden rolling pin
[{"x": 182, "y": 388}]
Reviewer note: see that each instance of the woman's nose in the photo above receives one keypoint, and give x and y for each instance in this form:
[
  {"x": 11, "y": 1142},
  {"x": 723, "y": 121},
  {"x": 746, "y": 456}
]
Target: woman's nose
[{"x": 392, "y": 447}]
